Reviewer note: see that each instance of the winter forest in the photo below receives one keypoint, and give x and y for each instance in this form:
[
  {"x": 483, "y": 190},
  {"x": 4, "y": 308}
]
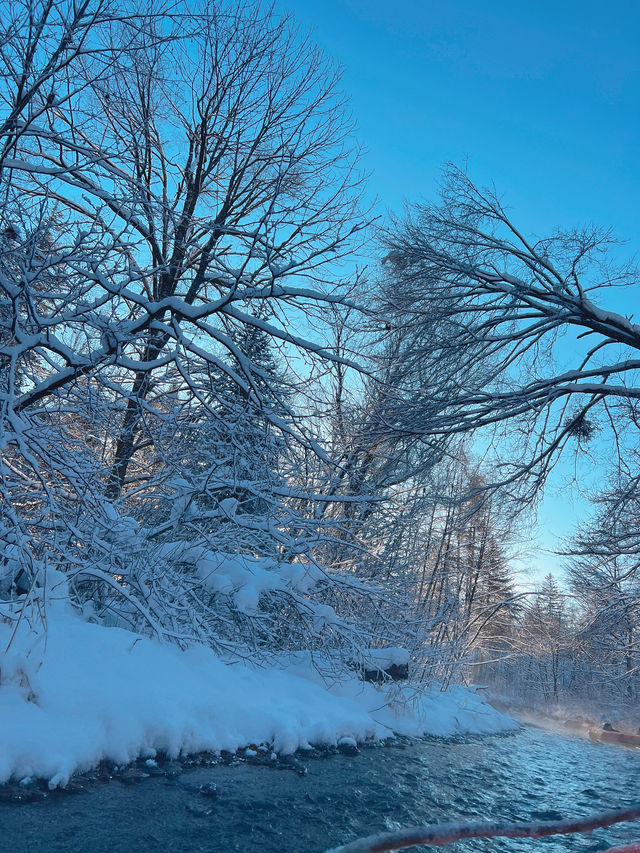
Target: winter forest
[{"x": 238, "y": 410}]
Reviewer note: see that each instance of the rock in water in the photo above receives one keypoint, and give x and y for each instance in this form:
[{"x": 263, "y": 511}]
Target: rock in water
[
  {"x": 348, "y": 746},
  {"x": 200, "y": 809},
  {"x": 209, "y": 789},
  {"x": 290, "y": 762},
  {"x": 132, "y": 775},
  {"x": 172, "y": 769}
]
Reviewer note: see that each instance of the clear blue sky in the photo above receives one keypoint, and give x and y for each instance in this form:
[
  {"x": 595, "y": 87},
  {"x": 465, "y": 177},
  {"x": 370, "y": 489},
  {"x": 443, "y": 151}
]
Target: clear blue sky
[{"x": 542, "y": 99}]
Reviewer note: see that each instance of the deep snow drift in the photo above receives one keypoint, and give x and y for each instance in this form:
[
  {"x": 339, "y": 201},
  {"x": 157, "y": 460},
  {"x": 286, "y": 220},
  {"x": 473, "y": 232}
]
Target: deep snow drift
[{"x": 83, "y": 692}]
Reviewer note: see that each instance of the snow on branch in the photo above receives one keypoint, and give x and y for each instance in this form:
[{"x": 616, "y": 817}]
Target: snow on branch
[{"x": 480, "y": 310}]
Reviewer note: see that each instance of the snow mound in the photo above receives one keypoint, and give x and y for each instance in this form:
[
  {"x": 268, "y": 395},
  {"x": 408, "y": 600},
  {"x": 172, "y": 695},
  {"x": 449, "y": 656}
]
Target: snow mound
[
  {"x": 243, "y": 576},
  {"x": 85, "y": 693},
  {"x": 386, "y": 658}
]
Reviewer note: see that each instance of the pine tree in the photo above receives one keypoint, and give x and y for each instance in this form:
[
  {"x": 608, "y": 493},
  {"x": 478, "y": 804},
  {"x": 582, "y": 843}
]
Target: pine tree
[{"x": 545, "y": 637}]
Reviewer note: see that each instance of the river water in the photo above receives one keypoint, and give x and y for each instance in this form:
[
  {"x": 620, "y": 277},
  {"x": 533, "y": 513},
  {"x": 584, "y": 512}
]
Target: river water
[{"x": 523, "y": 776}]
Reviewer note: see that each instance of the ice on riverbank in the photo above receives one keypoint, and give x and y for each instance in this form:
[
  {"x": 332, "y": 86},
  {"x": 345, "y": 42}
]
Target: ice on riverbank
[{"x": 83, "y": 693}]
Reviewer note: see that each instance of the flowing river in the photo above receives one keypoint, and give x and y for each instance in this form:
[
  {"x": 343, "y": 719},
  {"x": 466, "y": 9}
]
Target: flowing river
[{"x": 523, "y": 776}]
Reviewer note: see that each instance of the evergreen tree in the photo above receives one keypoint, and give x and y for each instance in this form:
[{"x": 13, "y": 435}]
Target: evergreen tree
[{"x": 545, "y": 638}]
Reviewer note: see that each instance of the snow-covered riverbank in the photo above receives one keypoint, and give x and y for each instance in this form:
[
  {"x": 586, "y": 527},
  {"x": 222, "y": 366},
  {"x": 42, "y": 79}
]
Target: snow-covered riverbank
[
  {"x": 529, "y": 775},
  {"x": 84, "y": 692}
]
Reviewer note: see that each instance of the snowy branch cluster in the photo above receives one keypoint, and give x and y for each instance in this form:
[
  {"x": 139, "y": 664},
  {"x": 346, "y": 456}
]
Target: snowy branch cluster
[
  {"x": 176, "y": 192},
  {"x": 212, "y": 430},
  {"x": 504, "y": 338}
]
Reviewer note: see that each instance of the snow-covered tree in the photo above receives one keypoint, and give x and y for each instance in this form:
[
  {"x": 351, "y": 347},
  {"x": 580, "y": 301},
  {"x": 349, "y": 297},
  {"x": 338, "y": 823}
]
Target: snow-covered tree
[
  {"x": 604, "y": 575},
  {"x": 177, "y": 192},
  {"x": 484, "y": 308}
]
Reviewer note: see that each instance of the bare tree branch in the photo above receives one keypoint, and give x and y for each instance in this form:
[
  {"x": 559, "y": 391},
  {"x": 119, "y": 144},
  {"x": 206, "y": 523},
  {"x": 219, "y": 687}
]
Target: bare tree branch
[{"x": 446, "y": 833}]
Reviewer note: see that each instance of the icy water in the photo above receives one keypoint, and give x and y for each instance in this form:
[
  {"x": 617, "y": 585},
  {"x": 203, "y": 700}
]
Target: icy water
[{"x": 522, "y": 776}]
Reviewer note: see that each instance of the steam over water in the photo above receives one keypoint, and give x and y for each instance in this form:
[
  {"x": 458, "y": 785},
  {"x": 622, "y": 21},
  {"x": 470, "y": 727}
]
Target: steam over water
[{"x": 524, "y": 776}]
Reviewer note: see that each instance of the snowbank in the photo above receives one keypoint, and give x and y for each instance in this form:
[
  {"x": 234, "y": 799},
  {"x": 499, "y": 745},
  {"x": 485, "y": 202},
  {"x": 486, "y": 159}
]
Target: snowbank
[{"x": 85, "y": 693}]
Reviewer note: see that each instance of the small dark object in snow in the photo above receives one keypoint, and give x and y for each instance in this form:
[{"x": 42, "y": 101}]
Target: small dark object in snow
[
  {"x": 22, "y": 582},
  {"x": 209, "y": 789},
  {"x": 199, "y": 809},
  {"x": 395, "y": 672}
]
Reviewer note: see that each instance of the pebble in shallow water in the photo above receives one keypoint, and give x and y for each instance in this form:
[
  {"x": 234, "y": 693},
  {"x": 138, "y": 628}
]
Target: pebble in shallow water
[
  {"x": 209, "y": 789},
  {"x": 172, "y": 769},
  {"x": 132, "y": 775},
  {"x": 199, "y": 809}
]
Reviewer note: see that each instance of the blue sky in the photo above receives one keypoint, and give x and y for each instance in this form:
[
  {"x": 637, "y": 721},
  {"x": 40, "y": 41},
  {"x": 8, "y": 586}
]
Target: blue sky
[{"x": 542, "y": 99}]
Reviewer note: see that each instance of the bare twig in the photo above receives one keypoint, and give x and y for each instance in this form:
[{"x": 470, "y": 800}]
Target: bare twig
[{"x": 446, "y": 833}]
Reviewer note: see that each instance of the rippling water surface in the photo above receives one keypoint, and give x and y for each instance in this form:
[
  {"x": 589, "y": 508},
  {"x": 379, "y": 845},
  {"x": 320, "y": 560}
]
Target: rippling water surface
[{"x": 523, "y": 776}]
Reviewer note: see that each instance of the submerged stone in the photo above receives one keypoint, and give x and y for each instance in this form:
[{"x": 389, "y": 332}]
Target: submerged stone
[{"x": 199, "y": 809}]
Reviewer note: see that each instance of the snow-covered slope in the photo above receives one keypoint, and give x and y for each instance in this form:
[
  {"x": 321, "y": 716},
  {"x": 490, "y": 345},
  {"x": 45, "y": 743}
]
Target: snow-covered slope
[{"x": 85, "y": 692}]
